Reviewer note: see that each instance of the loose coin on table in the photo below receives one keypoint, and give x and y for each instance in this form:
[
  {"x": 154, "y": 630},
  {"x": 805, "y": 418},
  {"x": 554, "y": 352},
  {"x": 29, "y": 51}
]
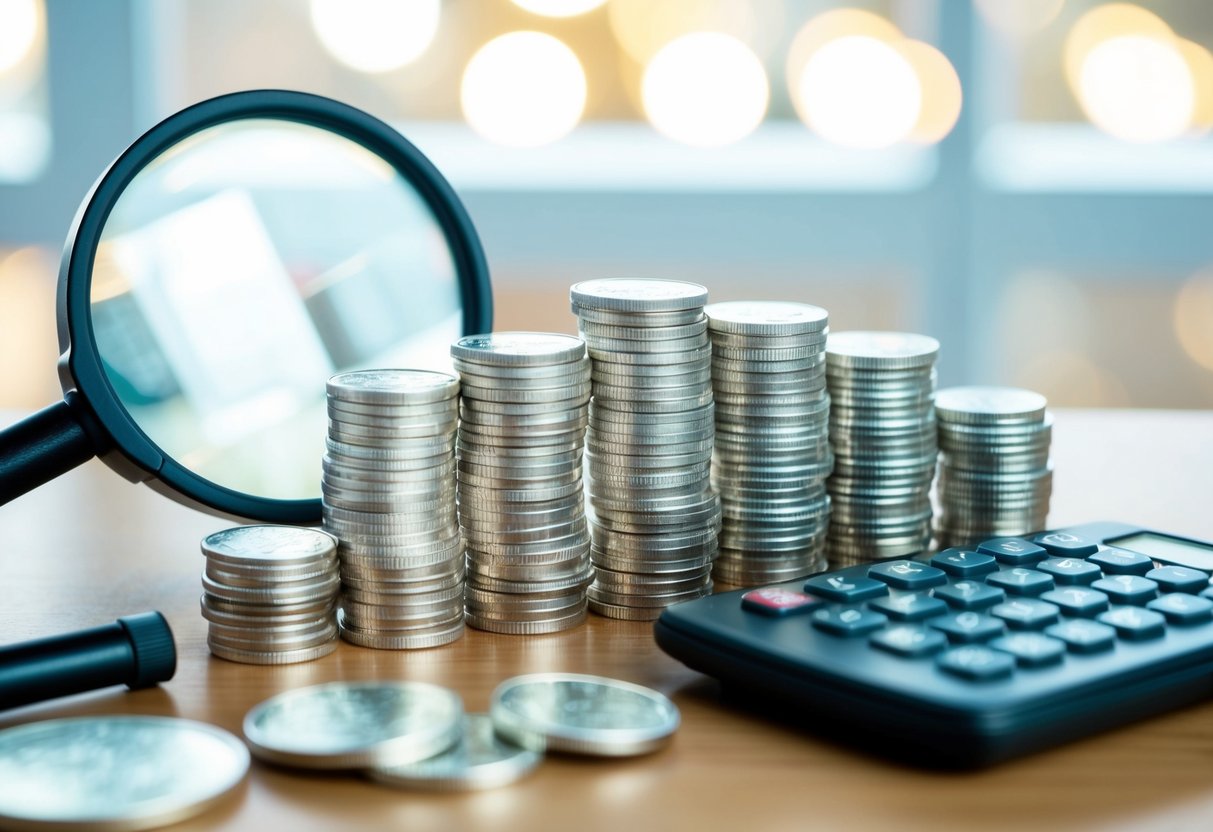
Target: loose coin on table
[
  {"x": 114, "y": 772},
  {"x": 480, "y": 760},
  {"x": 581, "y": 714},
  {"x": 355, "y": 724}
]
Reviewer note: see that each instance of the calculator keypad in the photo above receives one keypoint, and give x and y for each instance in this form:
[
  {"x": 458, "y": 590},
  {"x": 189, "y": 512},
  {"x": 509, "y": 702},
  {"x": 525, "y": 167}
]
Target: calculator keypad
[{"x": 1009, "y": 603}]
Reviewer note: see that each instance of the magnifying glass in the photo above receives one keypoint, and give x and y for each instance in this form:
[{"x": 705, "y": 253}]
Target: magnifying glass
[{"x": 225, "y": 265}]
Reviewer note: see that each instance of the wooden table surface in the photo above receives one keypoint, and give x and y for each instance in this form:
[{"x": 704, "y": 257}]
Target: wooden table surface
[{"x": 91, "y": 547}]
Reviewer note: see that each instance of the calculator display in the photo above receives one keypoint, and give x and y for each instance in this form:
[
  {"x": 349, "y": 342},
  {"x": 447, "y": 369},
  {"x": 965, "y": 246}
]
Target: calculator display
[{"x": 1169, "y": 549}]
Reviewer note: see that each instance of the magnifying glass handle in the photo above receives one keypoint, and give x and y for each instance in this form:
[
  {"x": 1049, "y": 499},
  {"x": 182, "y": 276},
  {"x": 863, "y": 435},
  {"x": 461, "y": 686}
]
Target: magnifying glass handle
[
  {"x": 136, "y": 650},
  {"x": 41, "y": 447}
]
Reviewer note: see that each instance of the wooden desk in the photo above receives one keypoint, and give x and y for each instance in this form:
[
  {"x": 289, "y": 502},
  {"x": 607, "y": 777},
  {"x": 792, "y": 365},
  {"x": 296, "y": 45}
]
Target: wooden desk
[{"x": 91, "y": 547}]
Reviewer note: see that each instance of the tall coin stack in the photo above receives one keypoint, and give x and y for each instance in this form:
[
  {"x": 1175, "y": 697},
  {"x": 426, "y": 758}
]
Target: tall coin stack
[
  {"x": 654, "y": 515},
  {"x": 995, "y": 478},
  {"x": 388, "y": 496},
  {"x": 270, "y": 594},
  {"x": 772, "y": 439},
  {"x": 882, "y": 429},
  {"x": 521, "y": 499}
]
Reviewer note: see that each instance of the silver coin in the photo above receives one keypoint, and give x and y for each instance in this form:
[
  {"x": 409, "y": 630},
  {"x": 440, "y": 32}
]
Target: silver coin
[
  {"x": 528, "y": 628},
  {"x": 594, "y": 329},
  {"x": 881, "y": 350},
  {"x": 114, "y": 772},
  {"x": 638, "y": 295},
  {"x": 989, "y": 405},
  {"x": 269, "y": 545},
  {"x": 272, "y": 657},
  {"x": 760, "y": 317},
  {"x": 581, "y": 714},
  {"x": 519, "y": 348},
  {"x": 420, "y": 639},
  {"x": 391, "y": 386},
  {"x": 354, "y": 724},
  {"x": 480, "y": 760},
  {"x": 681, "y": 317}
]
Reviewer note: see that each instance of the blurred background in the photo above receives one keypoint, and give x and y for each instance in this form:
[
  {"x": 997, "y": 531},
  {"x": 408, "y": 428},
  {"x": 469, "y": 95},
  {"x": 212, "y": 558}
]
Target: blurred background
[{"x": 1027, "y": 180}]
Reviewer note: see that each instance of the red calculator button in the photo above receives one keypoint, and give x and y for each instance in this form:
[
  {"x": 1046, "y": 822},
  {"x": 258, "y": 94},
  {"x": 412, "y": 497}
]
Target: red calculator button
[{"x": 774, "y": 600}]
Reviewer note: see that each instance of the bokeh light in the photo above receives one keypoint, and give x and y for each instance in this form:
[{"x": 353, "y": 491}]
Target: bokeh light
[
  {"x": 20, "y": 24},
  {"x": 823, "y": 29},
  {"x": 941, "y": 93},
  {"x": 643, "y": 27},
  {"x": 1103, "y": 23},
  {"x": 376, "y": 35},
  {"x": 558, "y": 8},
  {"x": 1137, "y": 88},
  {"x": 859, "y": 91},
  {"x": 27, "y": 327},
  {"x": 705, "y": 89},
  {"x": 1019, "y": 17},
  {"x": 1200, "y": 66},
  {"x": 523, "y": 89},
  {"x": 1194, "y": 318}
]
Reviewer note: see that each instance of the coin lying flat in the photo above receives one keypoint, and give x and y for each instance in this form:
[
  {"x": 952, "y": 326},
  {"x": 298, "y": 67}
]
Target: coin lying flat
[
  {"x": 581, "y": 714},
  {"x": 114, "y": 772},
  {"x": 354, "y": 724},
  {"x": 480, "y": 760}
]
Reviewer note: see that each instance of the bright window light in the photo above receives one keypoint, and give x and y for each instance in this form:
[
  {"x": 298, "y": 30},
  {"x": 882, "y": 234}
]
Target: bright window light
[
  {"x": 19, "y": 24},
  {"x": 558, "y": 8},
  {"x": 1137, "y": 88}
]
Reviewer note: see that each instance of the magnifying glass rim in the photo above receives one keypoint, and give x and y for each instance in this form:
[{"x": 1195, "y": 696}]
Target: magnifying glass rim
[{"x": 78, "y": 343}]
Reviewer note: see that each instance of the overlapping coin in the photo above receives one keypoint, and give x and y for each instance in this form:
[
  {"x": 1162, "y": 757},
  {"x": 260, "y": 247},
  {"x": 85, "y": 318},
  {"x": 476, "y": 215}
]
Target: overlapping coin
[
  {"x": 883, "y": 434},
  {"x": 521, "y": 505},
  {"x": 772, "y": 451},
  {"x": 654, "y": 515},
  {"x": 270, "y": 594},
  {"x": 995, "y": 478},
  {"x": 388, "y": 496}
]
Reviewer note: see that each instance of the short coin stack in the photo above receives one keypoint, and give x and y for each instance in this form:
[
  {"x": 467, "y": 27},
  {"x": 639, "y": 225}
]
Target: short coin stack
[
  {"x": 389, "y": 498},
  {"x": 521, "y": 499},
  {"x": 649, "y": 444},
  {"x": 882, "y": 429},
  {"x": 994, "y": 475},
  {"x": 270, "y": 594},
  {"x": 772, "y": 439}
]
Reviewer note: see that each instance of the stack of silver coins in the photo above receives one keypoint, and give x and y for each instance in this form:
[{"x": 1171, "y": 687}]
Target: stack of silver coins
[
  {"x": 882, "y": 429},
  {"x": 388, "y": 496},
  {"x": 654, "y": 515},
  {"x": 270, "y": 594},
  {"x": 521, "y": 499},
  {"x": 995, "y": 478},
  {"x": 772, "y": 439}
]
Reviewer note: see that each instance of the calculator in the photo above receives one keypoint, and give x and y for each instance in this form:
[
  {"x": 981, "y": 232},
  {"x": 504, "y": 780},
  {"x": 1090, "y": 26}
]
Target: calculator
[{"x": 969, "y": 656}]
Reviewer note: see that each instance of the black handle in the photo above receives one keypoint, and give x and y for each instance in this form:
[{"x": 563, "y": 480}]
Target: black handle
[
  {"x": 41, "y": 447},
  {"x": 136, "y": 650}
]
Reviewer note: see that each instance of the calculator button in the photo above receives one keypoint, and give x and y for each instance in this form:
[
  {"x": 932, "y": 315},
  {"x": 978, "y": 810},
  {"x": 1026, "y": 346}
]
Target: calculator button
[
  {"x": 970, "y": 595},
  {"x": 776, "y": 601},
  {"x": 1030, "y": 649},
  {"x": 907, "y": 574},
  {"x": 848, "y": 621},
  {"x": 964, "y": 563},
  {"x": 1127, "y": 589},
  {"x": 1070, "y": 570},
  {"x": 1013, "y": 550},
  {"x": 1134, "y": 624},
  {"x": 1181, "y": 608},
  {"x": 976, "y": 663},
  {"x": 1120, "y": 562},
  {"x": 1084, "y": 636},
  {"x": 910, "y": 641},
  {"x": 1020, "y": 581},
  {"x": 1066, "y": 544},
  {"x": 1077, "y": 600},
  {"x": 968, "y": 627},
  {"x": 1179, "y": 579},
  {"x": 1026, "y": 613},
  {"x": 909, "y": 607},
  {"x": 843, "y": 588}
]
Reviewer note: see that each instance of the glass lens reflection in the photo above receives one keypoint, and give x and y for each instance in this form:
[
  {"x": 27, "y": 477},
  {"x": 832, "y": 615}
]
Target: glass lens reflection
[{"x": 240, "y": 270}]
